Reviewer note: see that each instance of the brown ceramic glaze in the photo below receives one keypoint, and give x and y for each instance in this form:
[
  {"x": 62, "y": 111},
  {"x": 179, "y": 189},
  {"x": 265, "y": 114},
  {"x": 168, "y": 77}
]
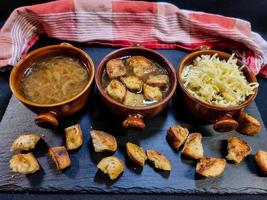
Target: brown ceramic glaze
[
  {"x": 134, "y": 115},
  {"x": 48, "y": 113},
  {"x": 223, "y": 117}
]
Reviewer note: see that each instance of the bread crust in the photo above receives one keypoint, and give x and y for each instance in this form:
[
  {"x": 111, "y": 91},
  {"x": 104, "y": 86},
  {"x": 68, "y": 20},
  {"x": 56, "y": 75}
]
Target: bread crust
[
  {"x": 159, "y": 160},
  {"x": 136, "y": 153},
  {"x": 25, "y": 142},
  {"x": 133, "y": 83},
  {"x": 116, "y": 90},
  {"x": 24, "y": 163},
  {"x": 60, "y": 156},
  {"x": 248, "y": 125},
  {"x": 261, "y": 160},
  {"x": 141, "y": 66},
  {"x": 176, "y": 136},
  {"x": 103, "y": 141},
  {"x": 74, "y": 137},
  {"x": 160, "y": 81},
  {"x": 237, "y": 149},
  {"x": 210, "y": 167},
  {"x": 152, "y": 93},
  {"x": 115, "y": 68},
  {"x": 193, "y": 147},
  {"x": 112, "y": 166}
]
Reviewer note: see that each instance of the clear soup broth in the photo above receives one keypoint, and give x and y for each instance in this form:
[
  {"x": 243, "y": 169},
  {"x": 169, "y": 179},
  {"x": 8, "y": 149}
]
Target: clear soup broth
[{"x": 54, "y": 79}]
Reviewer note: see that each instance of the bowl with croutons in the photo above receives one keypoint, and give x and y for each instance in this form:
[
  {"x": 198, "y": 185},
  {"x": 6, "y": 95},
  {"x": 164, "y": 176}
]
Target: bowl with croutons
[
  {"x": 216, "y": 87},
  {"x": 135, "y": 83}
]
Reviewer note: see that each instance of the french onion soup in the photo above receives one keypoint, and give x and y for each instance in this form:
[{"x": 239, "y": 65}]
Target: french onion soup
[{"x": 54, "y": 79}]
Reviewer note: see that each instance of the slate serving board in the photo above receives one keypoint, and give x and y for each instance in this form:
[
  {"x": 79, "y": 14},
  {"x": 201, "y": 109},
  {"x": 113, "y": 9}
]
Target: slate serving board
[{"x": 83, "y": 175}]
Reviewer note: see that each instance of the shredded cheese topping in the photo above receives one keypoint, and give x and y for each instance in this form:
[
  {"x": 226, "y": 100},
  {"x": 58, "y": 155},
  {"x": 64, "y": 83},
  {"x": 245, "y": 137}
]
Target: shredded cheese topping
[{"x": 216, "y": 81}]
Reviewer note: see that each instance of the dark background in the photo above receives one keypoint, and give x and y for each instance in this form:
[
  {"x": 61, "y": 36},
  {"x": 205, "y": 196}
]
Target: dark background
[{"x": 253, "y": 11}]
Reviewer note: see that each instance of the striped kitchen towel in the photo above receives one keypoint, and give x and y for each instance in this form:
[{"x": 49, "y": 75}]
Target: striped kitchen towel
[{"x": 124, "y": 23}]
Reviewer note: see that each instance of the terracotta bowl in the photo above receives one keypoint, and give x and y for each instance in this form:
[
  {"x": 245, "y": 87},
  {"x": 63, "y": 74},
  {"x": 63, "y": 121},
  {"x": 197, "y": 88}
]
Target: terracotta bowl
[
  {"x": 48, "y": 113},
  {"x": 134, "y": 115},
  {"x": 222, "y": 117}
]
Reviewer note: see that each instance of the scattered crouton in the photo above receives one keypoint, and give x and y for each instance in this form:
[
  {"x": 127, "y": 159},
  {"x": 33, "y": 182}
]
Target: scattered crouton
[
  {"x": 237, "y": 149},
  {"x": 136, "y": 154},
  {"x": 210, "y": 167},
  {"x": 176, "y": 136},
  {"x": 115, "y": 68},
  {"x": 24, "y": 163},
  {"x": 133, "y": 83},
  {"x": 159, "y": 160},
  {"x": 25, "y": 142},
  {"x": 160, "y": 81},
  {"x": 112, "y": 166},
  {"x": 132, "y": 99},
  {"x": 74, "y": 137},
  {"x": 103, "y": 141},
  {"x": 261, "y": 160},
  {"x": 152, "y": 93},
  {"x": 116, "y": 90},
  {"x": 248, "y": 125},
  {"x": 60, "y": 156},
  {"x": 193, "y": 147}
]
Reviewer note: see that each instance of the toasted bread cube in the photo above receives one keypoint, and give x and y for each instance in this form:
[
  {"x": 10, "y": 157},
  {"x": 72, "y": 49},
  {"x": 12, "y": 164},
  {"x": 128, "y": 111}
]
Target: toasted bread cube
[
  {"x": 115, "y": 68},
  {"x": 193, "y": 147},
  {"x": 141, "y": 66},
  {"x": 116, "y": 90},
  {"x": 176, "y": 136},
  {"x": 103, "y": 141},
  {"x": 261, "y": 160},
  {"x": 160, "y": 81},
  {"x": 74, "y": 137},
  {"x": 132, "y": 99},
  {"x": 136, "y": 154},
  {"x": 60, "y": 156},
  {"x": 210, "y": 167},
  {"x": 132, "y": 83},
  {"x": 152, "y": 93},
  {"x": 25, "y": 142},
  {"x": 248, "y": 125},
  {"x": 24, "y": 163},
  {"x": 112, "y": 166},
  {"x": 237, "y": 149},
  {"x": 159, "y": 160}
]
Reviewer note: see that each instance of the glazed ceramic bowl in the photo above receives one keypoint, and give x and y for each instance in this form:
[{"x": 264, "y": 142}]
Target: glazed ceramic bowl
[
  {"x": 48, "y": 113},
  {"x": 134, "y": 116},
  {"x": 222, "y": 117}
]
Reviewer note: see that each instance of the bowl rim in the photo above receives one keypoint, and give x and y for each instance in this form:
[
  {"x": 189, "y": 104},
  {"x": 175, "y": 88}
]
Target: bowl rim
[
  {"x": 63, "y": 45},
  {"x": 101, "y": 67},
  {"x": 192, "y": 56}
]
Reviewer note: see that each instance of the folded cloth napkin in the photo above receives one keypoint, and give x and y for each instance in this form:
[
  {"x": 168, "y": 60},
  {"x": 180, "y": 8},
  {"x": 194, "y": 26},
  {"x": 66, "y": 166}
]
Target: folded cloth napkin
[{"x": 124, "y": 23}]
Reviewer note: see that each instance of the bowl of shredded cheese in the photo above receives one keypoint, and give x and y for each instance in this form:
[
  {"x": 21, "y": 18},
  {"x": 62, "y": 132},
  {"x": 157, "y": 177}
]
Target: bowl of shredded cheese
[{"x": 216, "y": 85}]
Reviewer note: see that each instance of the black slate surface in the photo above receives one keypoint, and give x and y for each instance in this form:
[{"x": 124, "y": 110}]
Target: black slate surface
[{"x": 83, "y": 175}]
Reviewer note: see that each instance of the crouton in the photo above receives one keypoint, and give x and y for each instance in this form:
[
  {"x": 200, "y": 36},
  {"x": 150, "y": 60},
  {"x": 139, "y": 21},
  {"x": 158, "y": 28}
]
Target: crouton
[
  {"x": 24, "y": 163},
  {"x": 25, "y": 142},
  {"x": 261, "y": 160},
  {"x": 60, "y": 156},
  {"x": 141, "y": 66},
  {"x": 159, "y": 160},
  {"x": 115, "y": 68},
  {"x": 116, "y": 90},
  {"x": 133, "y": 83},
  {"x": 160, "y": 81},
  {"x": 176, "y": 136},
  {"x": 210, "y": 167},
  {"x": 136, "y": 154},
  {"x": 103, "y": 141},
  {"x": 193, "y": 147},
  {"x": 248, "y": 125},
  {"x": 74, "y": 137},
  {"x": 237, "y": 149},
  {"x": 152, "y": 93},
  {"x": 132, "y": 99},
  {"x": 112, "y": 166}
]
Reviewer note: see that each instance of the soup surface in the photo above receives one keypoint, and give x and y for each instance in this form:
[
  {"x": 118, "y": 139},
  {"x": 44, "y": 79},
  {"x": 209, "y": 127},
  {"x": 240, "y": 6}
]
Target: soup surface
[
  {"x": 54, "y": 79},
  {"x": 135, "y": 81}
]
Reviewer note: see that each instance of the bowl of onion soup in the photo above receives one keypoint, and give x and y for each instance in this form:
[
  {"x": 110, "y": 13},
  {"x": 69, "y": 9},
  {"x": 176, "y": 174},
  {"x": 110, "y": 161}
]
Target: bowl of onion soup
[{"x": 53, "y": 81}]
